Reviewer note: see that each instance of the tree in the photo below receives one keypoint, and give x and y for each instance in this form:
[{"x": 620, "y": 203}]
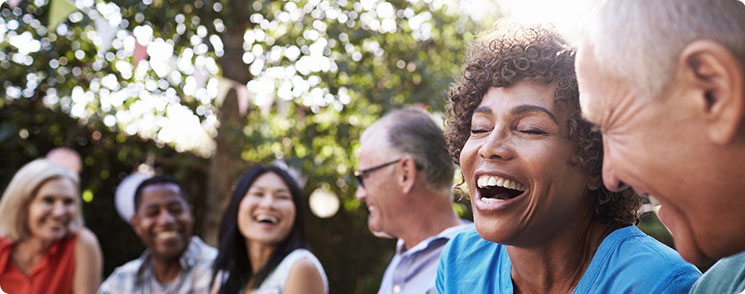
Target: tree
[{"x": 317, "y": 73}]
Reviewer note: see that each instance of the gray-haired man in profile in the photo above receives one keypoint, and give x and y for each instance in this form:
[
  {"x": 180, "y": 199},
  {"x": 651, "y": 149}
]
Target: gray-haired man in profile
[
  {"x": 664, "y": 80},
  {"x": 405, "y": 178}
]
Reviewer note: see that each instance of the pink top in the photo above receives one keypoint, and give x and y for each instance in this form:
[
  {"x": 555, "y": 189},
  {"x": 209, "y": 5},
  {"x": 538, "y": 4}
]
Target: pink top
[{"x": 53, "y": 274}]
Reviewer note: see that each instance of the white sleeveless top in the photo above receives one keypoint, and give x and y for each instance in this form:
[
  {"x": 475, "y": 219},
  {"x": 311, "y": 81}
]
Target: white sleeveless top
[{"x": 275, "y": 282}]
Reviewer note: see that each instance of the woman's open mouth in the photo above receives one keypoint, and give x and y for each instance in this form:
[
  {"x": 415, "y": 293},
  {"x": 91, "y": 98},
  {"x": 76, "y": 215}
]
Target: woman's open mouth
[{"x": 493, "y": 189}]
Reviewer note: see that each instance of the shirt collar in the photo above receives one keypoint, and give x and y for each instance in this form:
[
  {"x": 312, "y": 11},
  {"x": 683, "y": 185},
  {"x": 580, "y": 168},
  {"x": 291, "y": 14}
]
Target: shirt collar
[
  {"x": 187, "y": 259},
  {"x": 445, "y": 234}
]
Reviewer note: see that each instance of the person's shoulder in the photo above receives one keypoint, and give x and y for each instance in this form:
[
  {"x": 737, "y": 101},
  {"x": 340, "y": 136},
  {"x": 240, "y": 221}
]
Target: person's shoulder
[
  {"x": 128, "y": 269},
  {"x": 640, "y": 248},
  {"x": 305, "y": 277},
  {"x": 303, "y": 257},
  {"x": 630, "y": 258},
  {"x": 469, "y": 239},
  {"x": 725, "y": 276},
  {"x": 206, "y": 252},
  {"x": 470, "y": 262},
  {"x": 86, "y": 240},
  {"x": 469, "y": 247},
  {"x": 121, "y": 278}
]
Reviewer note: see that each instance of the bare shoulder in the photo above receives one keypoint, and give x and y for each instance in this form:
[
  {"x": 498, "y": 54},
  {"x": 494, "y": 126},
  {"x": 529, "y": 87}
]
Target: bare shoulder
[
  {"x": 88, "y": 262},
  {"x": 304, "y": 278},
  {"x": 87, "y": 240}
]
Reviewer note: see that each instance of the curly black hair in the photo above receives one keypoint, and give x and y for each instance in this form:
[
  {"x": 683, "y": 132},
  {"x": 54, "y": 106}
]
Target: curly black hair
[{"x": 513, "y": 53}]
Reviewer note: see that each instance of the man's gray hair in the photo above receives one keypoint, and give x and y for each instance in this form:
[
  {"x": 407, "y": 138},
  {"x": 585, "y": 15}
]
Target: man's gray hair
[
  {"x": 413, "y": 132},
  {"x": 640, "y": 40}
]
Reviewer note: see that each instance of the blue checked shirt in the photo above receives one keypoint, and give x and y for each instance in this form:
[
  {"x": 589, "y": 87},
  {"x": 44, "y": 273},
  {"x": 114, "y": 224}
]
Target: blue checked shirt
[{"x": 137, "y": 275}]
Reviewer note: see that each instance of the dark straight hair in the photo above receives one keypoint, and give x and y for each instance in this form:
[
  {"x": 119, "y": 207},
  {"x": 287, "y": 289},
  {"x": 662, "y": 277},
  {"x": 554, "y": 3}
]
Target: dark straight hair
[{"x": 232, "y": 259}]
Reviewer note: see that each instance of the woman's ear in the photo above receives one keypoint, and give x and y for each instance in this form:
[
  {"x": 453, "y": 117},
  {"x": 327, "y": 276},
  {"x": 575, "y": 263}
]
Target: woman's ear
[{"x": 594, "y": 182}]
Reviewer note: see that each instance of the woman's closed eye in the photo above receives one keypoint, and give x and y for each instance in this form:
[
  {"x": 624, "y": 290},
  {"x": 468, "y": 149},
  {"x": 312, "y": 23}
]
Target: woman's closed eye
[
  {"x": 478, "y": 130},
  {"x": 533, "y": 131}
]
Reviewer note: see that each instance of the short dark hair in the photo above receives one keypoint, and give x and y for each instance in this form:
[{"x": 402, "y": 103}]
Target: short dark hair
[
  {"x": 232, "y": 259},
  {"x": 155, "y": 180}
]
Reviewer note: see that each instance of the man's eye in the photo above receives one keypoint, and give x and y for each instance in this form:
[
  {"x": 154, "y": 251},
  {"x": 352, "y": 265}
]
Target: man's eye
[{"x": 478, "y": 131}]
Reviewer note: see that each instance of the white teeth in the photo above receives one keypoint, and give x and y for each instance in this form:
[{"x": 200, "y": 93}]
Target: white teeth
[
  {"x": 486, "y": 181},
  {"x": 491, "y": 200},
  {"x": 266, "y": 218},
  {"x": 166, "y": 234}
]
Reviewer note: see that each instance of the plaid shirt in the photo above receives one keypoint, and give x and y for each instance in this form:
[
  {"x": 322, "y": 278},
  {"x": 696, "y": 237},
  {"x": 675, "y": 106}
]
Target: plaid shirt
[{"x": 137, "y": 276}]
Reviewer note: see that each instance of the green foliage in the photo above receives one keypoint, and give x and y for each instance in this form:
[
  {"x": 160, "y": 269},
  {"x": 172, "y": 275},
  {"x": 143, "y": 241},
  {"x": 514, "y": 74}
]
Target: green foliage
[{"x": 319, "y": 72}]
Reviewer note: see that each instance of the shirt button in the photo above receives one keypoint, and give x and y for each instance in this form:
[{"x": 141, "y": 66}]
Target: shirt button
[{"x": 396, "y": 289}]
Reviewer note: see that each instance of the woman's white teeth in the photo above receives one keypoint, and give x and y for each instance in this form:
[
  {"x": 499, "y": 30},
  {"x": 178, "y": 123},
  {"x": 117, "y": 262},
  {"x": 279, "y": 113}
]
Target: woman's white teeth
[
  {"x": 491, "y": 181},
  {"x": 491, "y": 200},
  {"x": 266, "y": 219}
]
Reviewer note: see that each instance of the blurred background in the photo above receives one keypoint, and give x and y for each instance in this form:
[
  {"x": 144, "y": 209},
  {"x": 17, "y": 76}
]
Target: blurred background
[{"x": 203, "y": 89}]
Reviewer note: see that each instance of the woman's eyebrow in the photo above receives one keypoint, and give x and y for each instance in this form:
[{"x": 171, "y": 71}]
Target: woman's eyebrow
[
  {"x": 482, "y": 109},
  {"x": 520, "y": 109}
]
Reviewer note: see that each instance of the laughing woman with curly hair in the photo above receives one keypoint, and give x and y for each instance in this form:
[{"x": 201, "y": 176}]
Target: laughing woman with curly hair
[{"x": 544, "y": 223}]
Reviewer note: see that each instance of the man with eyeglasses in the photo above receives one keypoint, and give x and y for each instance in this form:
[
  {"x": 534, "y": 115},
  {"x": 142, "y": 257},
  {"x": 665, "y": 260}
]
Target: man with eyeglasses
[{"x": 405, "y": 178}]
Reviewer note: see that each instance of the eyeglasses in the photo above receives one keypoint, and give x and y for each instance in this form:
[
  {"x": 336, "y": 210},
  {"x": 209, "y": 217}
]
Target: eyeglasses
[{"x": 360, "y": 174}]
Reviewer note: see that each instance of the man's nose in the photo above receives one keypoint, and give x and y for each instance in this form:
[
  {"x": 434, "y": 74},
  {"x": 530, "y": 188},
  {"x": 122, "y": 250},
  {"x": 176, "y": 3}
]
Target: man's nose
[
  {"x": 610, "y": 178},
  {"x": 360, "y": 194},
  {"x": 166, "y": 217}
]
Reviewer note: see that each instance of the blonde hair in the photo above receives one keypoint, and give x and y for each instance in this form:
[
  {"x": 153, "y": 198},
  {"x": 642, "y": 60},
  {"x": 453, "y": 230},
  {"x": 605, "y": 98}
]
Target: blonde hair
[
  {"x": 23, "y": 188},
  {"x": 639, "y": 40}
]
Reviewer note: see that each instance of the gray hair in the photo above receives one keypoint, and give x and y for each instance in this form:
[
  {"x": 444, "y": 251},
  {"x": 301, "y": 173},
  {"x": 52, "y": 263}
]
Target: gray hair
[
  {"x": 413, "y": 132},
  {"x": 22, "y": 190},
  {"x": 640, "y": 40}
]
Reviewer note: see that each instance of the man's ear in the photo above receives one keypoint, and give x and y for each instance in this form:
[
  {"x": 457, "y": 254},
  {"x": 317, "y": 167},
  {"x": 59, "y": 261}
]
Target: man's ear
[
  {"x": 136, "y": 223},
  {"x": 716, "y": 77},
  {"x": 408, "y": 173}
]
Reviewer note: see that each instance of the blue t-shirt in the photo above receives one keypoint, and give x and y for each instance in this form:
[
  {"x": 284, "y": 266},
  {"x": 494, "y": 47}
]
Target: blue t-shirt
[{"x": 627, "y": 261}]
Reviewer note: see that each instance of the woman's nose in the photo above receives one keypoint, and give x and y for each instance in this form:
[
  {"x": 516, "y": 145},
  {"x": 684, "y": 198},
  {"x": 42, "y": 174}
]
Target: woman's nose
[
  {"x": 267, "y": 200},
  {"x": 496, "y": 146},
  {"x": 59, "y": 208}
]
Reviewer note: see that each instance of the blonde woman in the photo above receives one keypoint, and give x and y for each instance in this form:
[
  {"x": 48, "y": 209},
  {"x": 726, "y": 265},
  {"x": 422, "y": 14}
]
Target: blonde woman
[{"x": 44, "y": 247}]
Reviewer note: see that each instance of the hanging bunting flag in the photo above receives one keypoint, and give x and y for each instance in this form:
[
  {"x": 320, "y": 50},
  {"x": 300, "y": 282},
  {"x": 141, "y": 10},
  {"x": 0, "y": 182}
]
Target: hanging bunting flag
[
  {"x": 139, "y": 54},
  {"x": 241, "y": 92},
  {"x": 58, "y": 11},
  {"x": 201, "y": 77},
  {"x": 223, "y": 87},
  {"x": 12, "y": 3},
  {"x": 107, "y": 32}
]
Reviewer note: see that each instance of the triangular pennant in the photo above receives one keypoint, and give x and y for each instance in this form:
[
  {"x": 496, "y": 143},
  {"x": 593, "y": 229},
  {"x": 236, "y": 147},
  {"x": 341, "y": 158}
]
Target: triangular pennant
[
  {"x": 139, "y": 54},
  {"x": 223, "y": 87},
  {"x": 241, "y": 92},
  {"x": 58, "y": 11},
  {"x": 107, "y": 32},
  {"x": 201, "y": 77},
  {"x": 12, "y": 3}
]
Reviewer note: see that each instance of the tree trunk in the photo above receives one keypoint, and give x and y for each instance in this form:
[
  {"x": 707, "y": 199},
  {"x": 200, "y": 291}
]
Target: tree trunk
[{"x": 226, "y": 164}]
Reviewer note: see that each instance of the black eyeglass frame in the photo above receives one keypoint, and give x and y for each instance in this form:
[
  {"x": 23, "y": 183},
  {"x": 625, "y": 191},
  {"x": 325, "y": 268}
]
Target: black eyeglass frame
[{"x": 360, "y": 174}]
